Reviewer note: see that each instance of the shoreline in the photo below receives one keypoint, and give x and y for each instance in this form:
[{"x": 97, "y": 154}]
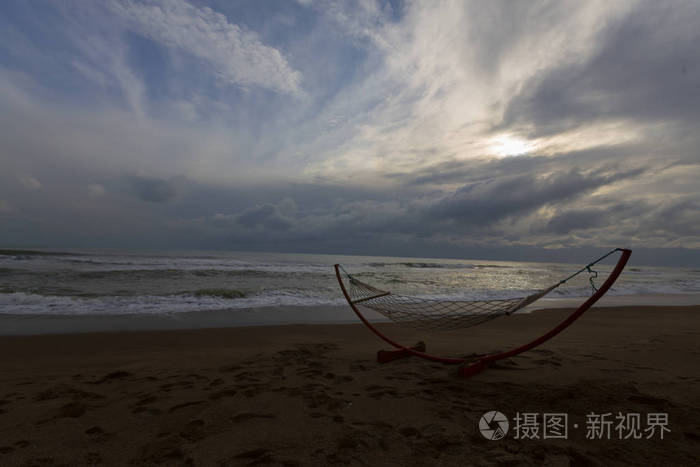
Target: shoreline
[{"x": 46, "y": 324}]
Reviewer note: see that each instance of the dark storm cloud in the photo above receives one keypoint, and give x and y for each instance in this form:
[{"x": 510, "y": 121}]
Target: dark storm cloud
[
  {"x": 575, "y": 219},
  {"x": 680, "y": 218},
  {"x": 492, "y": 200},
  {"x": 462, "y": 172},
  {"x": 156, "y": 190},
  {"x": 473, "y": 210},
  {"x": 647, "y": 68},
  {"x": 267, "y": 216}
]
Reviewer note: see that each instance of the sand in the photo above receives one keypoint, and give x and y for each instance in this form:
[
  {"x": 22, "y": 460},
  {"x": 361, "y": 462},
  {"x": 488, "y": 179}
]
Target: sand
[{"x": 314, "y": 395}]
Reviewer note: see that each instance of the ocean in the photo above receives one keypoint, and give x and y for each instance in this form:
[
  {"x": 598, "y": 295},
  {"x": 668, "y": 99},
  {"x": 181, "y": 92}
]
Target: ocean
[{"x": 238, "y": 287}]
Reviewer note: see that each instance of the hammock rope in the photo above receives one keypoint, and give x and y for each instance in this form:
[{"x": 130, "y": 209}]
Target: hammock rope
[{"x": 436, "y": 314}]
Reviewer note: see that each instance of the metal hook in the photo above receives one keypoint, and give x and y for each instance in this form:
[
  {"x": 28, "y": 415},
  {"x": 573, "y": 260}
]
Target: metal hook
[{"x": 593, "y": 275}]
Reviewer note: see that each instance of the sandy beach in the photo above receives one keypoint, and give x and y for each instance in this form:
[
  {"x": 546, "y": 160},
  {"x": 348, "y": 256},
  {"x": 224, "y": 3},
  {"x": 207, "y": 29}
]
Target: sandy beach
[{"x": 314, "y": 395}]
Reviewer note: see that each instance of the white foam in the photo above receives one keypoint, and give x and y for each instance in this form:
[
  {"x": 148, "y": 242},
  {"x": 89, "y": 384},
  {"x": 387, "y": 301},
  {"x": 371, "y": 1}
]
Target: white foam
[
  {"x": 32, "y": 304},
  {"x": 289, "y": 280}
]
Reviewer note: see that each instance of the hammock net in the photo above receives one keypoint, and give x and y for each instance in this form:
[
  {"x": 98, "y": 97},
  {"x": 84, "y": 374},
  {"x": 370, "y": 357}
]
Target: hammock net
[{"x": 434, "y": 314}]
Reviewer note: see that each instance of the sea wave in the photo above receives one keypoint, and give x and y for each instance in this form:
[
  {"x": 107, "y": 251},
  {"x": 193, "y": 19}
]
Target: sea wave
[
  {"x": 220, "y": 293},
  {"x": 71, "y": 283},
  {"x": 27, "y": 253},
  {"x": 126, "y": 263},
  {"x": 20, "y": 303},
  {"x": 419, "y": 265}
]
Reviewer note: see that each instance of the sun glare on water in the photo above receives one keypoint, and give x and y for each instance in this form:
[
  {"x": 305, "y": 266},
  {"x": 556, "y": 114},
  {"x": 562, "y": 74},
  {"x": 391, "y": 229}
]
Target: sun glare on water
[{"x": 506, "y": 146}]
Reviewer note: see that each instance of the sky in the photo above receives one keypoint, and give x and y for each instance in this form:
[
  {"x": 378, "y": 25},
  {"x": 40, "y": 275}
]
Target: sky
[{"x": 504, "y": 130}]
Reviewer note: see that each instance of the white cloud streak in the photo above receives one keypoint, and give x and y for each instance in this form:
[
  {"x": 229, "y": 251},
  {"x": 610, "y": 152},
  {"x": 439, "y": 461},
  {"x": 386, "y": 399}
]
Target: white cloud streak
[
  {"x": 237, "y": 56},
  {"x": 29, "y": 182},
  {"x": 448, "y": 71}
]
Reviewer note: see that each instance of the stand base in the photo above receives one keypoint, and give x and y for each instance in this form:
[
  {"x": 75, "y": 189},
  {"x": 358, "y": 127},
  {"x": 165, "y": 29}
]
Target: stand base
[{"x": 470, "y": 370}]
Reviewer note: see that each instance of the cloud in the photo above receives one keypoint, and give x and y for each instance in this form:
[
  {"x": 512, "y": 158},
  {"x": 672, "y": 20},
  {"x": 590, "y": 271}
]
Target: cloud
[
  {"x": 645, "y": 69},
  {"x": 267, "y": 216},
  {"x": 442, "y": 75},
  {"x": 680, "y": 218},
  {"x": 237, "y": 56},
  {"x": 491, "y": 200},
  {"x": 157, "y": 190},
  {"x": 29, "y": 182},
  {"x": 362, "y": 19},
  {"x": 96, "y": 190},
  {"x": 574, "y": 219}
]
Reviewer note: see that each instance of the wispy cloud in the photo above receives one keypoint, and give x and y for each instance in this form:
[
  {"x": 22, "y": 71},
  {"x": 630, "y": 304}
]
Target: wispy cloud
[
  {"x": 29, "y": 182},
  {"x": 237, "y": 56},
  {"x": 156, "y": 190},
  {"x": 5, "y": 206},
  {"x": 444, "y": 76}
]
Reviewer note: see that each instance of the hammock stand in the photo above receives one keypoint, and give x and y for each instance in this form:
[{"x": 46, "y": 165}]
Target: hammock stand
[{"x": 471, "y": 368}]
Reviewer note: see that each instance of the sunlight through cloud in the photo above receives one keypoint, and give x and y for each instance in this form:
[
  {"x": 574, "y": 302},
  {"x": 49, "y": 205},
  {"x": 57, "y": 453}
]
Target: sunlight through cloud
[{"x": 508, "y": 145}]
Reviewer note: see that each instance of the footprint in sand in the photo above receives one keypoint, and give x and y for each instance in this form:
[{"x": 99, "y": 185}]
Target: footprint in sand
[
  {"x": 377, "y": 392},
  {"x": 194, "y": 431},
  {"x": 246, "y": 376},
  {"x": 72, "y": 410},
  {"x": 548, "y": 361},
  {"x": 97, "y": 434},
  {"x": 223, "y": 393},
  {"x": 113, "y": 376},
  {"x": 247, "y": 416},
  {"x": 69, "y": 410},
  {"x": 66, "y": 391},
  {"x": 184, "y": 405},
  {"x": 216, "y": 382},
  {"x": 359, "y": 366},
  {"x": 310, "y": 373},
  {"x": 166, "y": 450},
  {"x": 254, "y": 454}
]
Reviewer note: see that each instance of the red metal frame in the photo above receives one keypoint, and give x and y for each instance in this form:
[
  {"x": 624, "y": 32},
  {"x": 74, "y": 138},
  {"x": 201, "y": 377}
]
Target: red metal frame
[{"x": 481, "y": 363}]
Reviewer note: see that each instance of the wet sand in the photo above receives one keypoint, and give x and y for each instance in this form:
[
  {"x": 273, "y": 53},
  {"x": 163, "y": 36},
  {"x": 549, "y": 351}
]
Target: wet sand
[{"x": 314, "y": 395}]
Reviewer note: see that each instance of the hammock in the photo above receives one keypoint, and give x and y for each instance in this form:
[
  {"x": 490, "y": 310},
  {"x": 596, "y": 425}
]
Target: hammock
[
  {"x": 425, "y": 313},
  {"x": 433, "y": 314}
]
